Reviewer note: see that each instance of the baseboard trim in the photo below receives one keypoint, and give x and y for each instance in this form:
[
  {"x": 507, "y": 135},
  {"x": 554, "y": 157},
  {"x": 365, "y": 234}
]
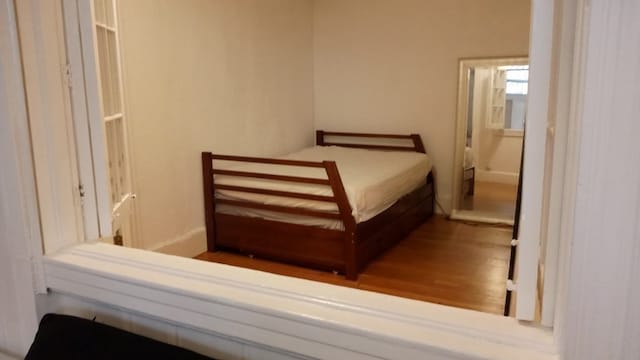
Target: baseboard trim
[
  {"x": 466, "y": 215},
  {"x": 189, "y": 244},
  {"x": 500, "y": 177}
]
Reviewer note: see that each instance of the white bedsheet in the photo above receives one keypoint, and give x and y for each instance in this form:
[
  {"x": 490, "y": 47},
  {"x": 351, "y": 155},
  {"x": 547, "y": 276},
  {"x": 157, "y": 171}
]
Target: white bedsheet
[{"x": 373, "y": 181}]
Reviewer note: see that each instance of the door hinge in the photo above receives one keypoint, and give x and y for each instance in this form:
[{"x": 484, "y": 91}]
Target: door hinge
[
  {"x": 511, "y": 286},
  {"x": 515, "y": 242},
  {"x": 67, "y": 74}
]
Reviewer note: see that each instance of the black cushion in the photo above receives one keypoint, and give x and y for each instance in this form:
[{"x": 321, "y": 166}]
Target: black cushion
[{"x": 69, "y": 337}]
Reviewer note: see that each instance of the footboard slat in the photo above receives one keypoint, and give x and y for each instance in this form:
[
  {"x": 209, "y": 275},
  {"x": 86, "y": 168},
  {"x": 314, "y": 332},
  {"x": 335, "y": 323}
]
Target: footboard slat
[
  {"x": 372, "y": 147},
  {"x": 260, "y": 160},
  {"x": 282, "y": 209},
  {"x": 288, "y": 178},
  {"x": 277, "y": 193}
]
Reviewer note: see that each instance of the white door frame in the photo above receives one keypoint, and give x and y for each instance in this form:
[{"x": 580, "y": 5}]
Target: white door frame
[
  {"x": 21, "y": 274},
  {"x": 461, "y": 129}
]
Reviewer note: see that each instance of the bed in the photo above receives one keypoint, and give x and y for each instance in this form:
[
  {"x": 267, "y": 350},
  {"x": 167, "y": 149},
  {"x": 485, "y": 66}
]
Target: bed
[{"x": 335, "y": 206}]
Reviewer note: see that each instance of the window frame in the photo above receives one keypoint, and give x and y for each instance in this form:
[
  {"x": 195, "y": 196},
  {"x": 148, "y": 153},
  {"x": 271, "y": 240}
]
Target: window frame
[{"x": 106, "y": 274}]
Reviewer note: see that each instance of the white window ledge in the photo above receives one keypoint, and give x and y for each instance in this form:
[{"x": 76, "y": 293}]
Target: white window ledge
[{"x": 300, "y": 316}]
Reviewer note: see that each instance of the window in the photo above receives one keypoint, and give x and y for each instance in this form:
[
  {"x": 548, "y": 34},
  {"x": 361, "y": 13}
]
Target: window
[
  {"x": 511, "y": 85},
  {"x": 517, "y": 78}
]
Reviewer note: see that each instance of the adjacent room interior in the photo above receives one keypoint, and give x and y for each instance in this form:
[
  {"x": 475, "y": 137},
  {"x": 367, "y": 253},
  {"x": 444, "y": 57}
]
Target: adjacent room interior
[
  {"x": 191, "y": 87},
  {"x": 491, "y": 116}
]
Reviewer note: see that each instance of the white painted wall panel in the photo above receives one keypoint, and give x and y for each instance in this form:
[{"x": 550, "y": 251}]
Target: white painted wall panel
[
  {"x": 19, "y": 230},
  {"x": 600, "y": 318}
]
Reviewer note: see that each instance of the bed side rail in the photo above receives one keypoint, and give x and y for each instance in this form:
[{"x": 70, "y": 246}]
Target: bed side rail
[
  {"x": 418, "y": 145},
  {"x": 332, "y": 180}
]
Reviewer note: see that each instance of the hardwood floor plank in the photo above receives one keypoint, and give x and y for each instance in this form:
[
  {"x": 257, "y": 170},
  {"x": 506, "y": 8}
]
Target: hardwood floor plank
[{"x": 444, "y": 262}]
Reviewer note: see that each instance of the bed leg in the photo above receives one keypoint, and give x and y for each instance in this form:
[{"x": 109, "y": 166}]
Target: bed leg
[
  {"x": 351, "y": 261},
  {"x": 209, "y": 201}
]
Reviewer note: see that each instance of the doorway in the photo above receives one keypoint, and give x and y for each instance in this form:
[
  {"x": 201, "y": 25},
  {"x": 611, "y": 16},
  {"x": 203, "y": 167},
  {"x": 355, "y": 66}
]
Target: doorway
[{"x": 492, "y": 98}]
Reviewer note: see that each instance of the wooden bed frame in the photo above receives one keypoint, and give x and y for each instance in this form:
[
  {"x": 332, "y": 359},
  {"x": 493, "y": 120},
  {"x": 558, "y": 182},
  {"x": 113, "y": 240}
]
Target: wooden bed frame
[
  {"x": 469, "y": 181},
  {"x": 347, "y": 251}
]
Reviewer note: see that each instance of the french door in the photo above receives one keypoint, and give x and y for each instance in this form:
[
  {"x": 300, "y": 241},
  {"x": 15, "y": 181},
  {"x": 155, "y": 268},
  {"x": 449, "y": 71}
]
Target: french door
[
  {"x": 95, "y": 77},
  {"x": 113, "y": 120}
]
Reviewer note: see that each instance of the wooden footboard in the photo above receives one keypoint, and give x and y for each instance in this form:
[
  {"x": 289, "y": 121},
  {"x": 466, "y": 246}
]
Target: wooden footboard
[
  {"x": 347, "y": 251},
  {"x": 300, "y": 244}
]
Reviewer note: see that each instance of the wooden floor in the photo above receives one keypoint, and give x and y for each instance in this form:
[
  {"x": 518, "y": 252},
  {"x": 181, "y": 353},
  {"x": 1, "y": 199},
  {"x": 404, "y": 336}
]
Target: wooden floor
[
  {"x": 443, "y": 262},
  {"x": 492, "y": 200}
]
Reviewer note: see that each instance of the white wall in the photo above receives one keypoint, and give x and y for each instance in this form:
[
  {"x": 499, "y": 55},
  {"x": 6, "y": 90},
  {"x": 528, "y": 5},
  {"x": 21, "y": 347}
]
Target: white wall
[
  {"x": 392, "y": 66},
  {"x": 18, "y": 206},
  {"x": 224, "y": 76}
]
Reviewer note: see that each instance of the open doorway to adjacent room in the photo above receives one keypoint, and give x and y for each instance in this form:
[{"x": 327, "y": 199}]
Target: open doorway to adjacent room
[
  {"x": 183, "y": 123},
  {"x": 491, "y": 115}
]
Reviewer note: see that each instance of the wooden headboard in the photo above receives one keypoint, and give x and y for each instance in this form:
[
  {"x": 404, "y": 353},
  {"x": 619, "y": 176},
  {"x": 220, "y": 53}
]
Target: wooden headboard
[{"x": 418, "y": 146}]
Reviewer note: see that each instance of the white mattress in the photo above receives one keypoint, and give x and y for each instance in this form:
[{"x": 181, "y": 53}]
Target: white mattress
[{"x": 373, "y": 181}]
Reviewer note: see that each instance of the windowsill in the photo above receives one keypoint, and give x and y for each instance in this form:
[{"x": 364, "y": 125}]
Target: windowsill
[{"x": 300, "y": 316}]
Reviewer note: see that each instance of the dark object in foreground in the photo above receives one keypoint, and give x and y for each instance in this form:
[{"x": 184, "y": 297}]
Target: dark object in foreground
[{"x": 69, "y": 337}]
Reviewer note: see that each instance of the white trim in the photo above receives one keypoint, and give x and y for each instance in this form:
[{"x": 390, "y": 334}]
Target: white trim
[
  {"x": 570, "y": 186},
  {"x": 500, "y": 177},
  {"x": 94, "y": 117},
  {"x": 304, "y": 317},
  {"x": 563, "y": 172},
  {"x": 602, "y": 294},
  {"x": 476, "y": 216},
  {"x": 534, "y": 158},
  {"x": 50, "y": 122},
  {"x": 189, "y": 244},
  {"x": 20, "y": 238},
  {"x": 79, "y": 111}
]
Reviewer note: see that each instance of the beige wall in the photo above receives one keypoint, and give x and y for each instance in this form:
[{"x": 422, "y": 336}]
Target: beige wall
[
  {"x": 227, "y": 76},
  {"x": 392, "y": 66}
]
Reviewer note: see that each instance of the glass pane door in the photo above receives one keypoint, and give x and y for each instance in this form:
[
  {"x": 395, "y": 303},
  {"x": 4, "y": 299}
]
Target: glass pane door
[{"x": 114, "y": 120}]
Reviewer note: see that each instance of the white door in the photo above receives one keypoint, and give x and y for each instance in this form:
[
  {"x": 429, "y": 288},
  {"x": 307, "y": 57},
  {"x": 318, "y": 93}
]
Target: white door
[{"x": 113, "y": 120}]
